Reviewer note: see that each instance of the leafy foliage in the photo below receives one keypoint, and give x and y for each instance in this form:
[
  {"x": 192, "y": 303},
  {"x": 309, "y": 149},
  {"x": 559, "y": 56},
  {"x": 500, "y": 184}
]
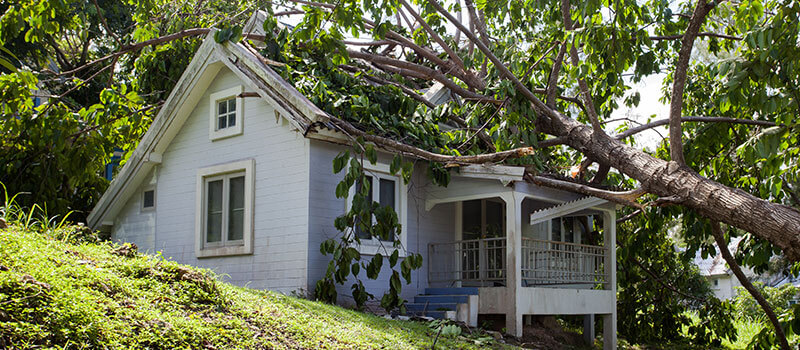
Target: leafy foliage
[
  {"x": 658, "y": 286},
  {"x": 61, "y": 118},
  {"x": 777, "y": 297},
  {"x": 385, "y": 229}
]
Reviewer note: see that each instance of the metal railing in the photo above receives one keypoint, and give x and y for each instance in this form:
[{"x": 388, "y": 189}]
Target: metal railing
[
  {"x": 559, "y": 263},
  {"x": 475, "y": 262}
]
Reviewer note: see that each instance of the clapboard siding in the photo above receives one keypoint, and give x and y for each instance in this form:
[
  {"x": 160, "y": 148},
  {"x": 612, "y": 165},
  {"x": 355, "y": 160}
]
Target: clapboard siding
[
  {"x": 422, "y": 228},
  {"x": 135, "y": 226},
  {"x": 280, "y": 212}
]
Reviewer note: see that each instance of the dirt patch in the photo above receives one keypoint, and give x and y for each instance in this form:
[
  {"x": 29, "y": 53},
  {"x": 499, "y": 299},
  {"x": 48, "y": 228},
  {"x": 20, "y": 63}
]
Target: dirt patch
[{"x": 545, "y": 333}]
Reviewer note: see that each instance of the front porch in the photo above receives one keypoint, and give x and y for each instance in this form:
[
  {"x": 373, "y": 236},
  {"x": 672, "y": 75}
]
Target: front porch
[
  {"x": 545, "y": 263},
  {"x": 529, "y": 251}
]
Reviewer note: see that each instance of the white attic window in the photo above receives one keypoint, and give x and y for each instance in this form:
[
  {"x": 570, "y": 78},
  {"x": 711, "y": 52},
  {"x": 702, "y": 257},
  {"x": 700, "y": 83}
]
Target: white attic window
[{"x": 225, "y": 113}]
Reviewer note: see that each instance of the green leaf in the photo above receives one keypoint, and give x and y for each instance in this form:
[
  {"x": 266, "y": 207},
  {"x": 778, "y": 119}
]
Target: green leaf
[
  {"x": 371, "y": 154},
  {"x": 340, "y": 161}
]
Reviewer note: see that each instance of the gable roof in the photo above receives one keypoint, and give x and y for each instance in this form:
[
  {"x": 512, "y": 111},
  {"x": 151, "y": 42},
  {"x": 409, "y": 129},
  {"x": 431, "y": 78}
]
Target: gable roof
[
  {"x": 209, "y": 59},
  {"x": 716, "y": 265},
  {"x": 255, "y": 72}
]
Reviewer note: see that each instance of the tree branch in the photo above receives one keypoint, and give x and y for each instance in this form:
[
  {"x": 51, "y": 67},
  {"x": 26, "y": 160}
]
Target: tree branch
[
  {"x": 448, "y": 66},
  {"x": 393, "y": 145},
  {"x": 679, "y": 81},
  {"x": 552, "y": 82},
  {"x": 504, "y": 72},
  {"x": 125, "y": 49},
  {"x": 719, "y": 237},
  {"x": 479, "y": 24},
  {"x": 705, "y": 34},
  {"x": 626, "y": 198},
  {"x": 413, "y": 94},
  {"x": 629, "y": 216},
  {"x": 573, "y": 53},
  {"x": 661, "y": 122},
  {"x": 422, "y": 72},
  {"x": 435, "y": 36},
  {"x": 661, "y": 282},
  {"x": 105, "y": 24}
]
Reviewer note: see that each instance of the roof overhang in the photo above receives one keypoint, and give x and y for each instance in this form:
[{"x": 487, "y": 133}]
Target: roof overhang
[{"x": 502, "y": 173}]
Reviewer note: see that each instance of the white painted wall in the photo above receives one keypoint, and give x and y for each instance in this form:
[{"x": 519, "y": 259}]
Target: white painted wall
[
  {"x": 726, "y": 286},
  {"x": 422, "y": 228},
  {"x": 281, "y": 194},
  {"x": 135, "y": 226}
]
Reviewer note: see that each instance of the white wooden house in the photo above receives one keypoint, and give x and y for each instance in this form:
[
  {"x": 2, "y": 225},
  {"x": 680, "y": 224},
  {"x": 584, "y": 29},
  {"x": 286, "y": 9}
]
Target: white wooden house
[{"x": 234, "y": 175}]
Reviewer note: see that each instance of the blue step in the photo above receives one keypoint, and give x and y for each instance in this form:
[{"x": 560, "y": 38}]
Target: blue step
[
  {"x": 430, "y": 306},
  {"x": 442, "y": 299},
  {"x": 452, "y": 291}
]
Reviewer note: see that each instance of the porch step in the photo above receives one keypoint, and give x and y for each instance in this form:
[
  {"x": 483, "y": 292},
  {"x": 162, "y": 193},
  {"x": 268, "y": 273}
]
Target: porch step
[
  {"x": 427, "y": 307},
  {"x": 458, "y": 304},
  {"x": 452, "y": 291},
  {"x": 441, "y": 299}
]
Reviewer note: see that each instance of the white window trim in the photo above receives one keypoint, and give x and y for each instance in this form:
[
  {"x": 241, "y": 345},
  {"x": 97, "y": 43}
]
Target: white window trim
[
  {"x": 373, "y": 246},
  {"x": 142, "y": 208},
  {"x": 201, "y": 249},
  {"x": 237, "y": 129}
]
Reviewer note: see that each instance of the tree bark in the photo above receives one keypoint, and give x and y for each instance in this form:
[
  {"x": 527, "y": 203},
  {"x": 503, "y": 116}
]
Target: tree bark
[
  {"x": 716, "y": 230},
  {"x": 679, "y": 81},
  {"x": 776, "y": 223}
]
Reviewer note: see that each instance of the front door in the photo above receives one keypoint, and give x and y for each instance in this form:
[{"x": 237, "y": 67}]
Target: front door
[{"x": 482, "y": 251}]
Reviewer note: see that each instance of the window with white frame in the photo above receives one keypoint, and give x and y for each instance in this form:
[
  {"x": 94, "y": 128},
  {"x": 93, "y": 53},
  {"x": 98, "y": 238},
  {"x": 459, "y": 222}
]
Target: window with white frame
[
  {"x": 225, "y": 117},
  {"x": 387, "y": 190},
  {"x": 225, "y": 209}
]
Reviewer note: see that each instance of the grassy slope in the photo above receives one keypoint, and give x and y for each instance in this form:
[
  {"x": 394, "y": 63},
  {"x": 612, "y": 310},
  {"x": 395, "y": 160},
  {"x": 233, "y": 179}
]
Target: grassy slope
[{"x": 83, "y": 295}]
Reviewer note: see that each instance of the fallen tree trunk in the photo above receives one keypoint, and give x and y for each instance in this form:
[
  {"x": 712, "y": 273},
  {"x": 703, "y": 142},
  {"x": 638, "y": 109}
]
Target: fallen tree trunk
[{"x": 776, "y": 223}]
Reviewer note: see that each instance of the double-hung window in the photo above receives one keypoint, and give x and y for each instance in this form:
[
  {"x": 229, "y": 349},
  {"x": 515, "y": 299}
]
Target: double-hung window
[
  {"x": 225, "y": 209},
  {"x": 224, "y": 220},
  {"x": 387, "y": 190},
  {"x": 384, "y": 189},
  {"x": 225, "y": 113}
]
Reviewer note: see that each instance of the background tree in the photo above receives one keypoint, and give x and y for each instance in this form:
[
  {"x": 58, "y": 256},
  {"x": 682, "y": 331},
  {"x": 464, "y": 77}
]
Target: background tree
[{"x": 66, "y": 109}]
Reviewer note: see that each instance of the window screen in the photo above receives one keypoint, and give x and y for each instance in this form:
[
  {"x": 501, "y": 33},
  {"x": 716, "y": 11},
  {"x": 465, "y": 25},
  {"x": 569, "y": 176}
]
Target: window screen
[{"x": 149, "y": 199}]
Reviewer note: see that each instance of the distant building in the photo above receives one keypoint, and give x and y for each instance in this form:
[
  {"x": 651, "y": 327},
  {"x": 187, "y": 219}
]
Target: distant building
[{"x": 719, "y": 275}]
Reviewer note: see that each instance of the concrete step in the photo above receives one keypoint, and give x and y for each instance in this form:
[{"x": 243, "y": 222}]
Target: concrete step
[
  {"x": 434, "y": 314},
  {"x": 431, "y": 306},
  {"x": 452, "y": 291},
  {"x": 442, "y": 299}
]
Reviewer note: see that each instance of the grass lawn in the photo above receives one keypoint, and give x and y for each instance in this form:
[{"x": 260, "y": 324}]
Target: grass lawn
[{"x": 57, "y": 294}]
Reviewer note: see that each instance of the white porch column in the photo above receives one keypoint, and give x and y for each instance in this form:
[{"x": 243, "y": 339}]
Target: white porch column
[
  {"x": 610, "y": 242},
  {"x": 513, "y": 261}
]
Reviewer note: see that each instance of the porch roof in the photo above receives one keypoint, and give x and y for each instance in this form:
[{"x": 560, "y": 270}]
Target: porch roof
[{"x": 567, "y": 208}]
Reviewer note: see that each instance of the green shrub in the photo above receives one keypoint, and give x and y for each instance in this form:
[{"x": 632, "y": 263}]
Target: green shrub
[{"x": 778, "y": 298}]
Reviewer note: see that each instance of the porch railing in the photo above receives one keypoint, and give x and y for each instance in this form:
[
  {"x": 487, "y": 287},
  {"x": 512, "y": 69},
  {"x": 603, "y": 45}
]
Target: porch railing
[
  {"x": 559, "y": 263},
  {"x": 474, "y": 262}
]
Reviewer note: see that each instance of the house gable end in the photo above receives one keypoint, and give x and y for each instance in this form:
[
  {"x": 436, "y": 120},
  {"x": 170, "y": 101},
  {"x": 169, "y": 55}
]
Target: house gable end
[{"x": 210, "y": 58}]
